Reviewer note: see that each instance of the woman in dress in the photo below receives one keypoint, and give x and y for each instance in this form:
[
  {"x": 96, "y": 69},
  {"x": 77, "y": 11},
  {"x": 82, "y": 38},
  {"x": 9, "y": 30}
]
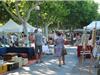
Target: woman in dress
[{"x": 59, "y": 46}]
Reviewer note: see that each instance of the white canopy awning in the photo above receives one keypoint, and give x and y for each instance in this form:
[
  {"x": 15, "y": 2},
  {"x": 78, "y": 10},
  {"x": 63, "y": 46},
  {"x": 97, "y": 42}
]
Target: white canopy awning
[
  {"x": 30, "y": 28},
  {"x": 11, "y": 26},
  {"x": 92, "y": 25}
]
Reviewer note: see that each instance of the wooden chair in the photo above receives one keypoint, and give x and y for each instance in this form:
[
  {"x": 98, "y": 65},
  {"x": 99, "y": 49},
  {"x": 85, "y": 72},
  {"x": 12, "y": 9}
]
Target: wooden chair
[{"x": 85, "y": 53}]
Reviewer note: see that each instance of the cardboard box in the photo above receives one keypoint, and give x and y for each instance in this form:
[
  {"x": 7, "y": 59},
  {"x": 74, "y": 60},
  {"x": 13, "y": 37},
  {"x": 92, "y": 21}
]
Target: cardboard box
[
  {"x": 24, "y": 61},
  {"x": 8, "y": 56},
  {"x": 12, "y": 65},
  {"x": 3, "y": 68}
]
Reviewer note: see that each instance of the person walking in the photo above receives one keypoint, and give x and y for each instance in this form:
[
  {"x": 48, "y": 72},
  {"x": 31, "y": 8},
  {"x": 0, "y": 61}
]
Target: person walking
[
  {"x": 38, "y": 45},
  {"x": 59, "y": 46}
]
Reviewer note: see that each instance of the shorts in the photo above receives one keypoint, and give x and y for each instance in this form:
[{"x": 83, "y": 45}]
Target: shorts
[{"x": 38, "y": 49}]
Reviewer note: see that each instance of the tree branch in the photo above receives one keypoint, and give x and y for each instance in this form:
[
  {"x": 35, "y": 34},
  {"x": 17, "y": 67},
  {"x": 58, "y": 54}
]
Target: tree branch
[
  {"x": 12, "y": 14},
  {"x": 17, "y": 11},
  {"x": 28, "y": 14},
  {"x": 49, "y": 24},
  {"x": 51, "y": 19}
]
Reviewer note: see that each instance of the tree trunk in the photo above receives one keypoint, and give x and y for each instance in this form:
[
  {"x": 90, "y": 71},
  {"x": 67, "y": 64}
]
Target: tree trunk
[{"x": 25, "y": 32}]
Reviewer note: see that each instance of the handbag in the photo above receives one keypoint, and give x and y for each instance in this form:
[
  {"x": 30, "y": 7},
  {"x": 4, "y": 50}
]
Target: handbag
[{"x": 64, "y": 51}]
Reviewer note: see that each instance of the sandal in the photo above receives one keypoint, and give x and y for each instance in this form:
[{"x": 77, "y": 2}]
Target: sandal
[
  {"x": 64, "y": 63},
  {"x": 41, "y": 61},
  {"x": 59, "y": 65}
]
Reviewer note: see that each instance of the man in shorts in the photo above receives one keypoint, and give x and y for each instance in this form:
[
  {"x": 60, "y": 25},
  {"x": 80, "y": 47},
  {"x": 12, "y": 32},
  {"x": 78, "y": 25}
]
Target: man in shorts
[{"x": 38, "y": 45}]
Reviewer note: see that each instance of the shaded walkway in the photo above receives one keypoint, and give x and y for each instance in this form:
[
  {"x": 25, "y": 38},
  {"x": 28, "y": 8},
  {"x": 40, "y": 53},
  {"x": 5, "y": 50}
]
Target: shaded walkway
[{"x": 50, "y": 66}]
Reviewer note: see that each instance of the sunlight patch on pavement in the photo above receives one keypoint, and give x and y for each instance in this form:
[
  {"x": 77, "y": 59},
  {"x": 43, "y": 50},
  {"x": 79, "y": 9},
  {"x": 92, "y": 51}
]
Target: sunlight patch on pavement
[
  {"x": 48, "y": 63},
  {"x": 26, "y": 68},
  {"x": 16, "y": 73},
  {"x": 25, "y": 73},
  {"x": 68, "y": 73},
  {"x": 46, "y": 72},
  {"x": 53, "y": 60}
]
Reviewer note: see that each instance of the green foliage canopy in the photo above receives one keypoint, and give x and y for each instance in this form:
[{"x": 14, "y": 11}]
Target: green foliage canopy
[{"x": 55, "y": 14}]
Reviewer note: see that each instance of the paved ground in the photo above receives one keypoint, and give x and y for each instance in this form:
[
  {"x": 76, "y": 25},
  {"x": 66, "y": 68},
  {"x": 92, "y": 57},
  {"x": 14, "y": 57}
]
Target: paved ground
[{"x": 50, "y": 66}]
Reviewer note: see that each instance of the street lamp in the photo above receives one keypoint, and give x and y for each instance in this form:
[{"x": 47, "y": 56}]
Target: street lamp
[{"x": 37, "y": 8}]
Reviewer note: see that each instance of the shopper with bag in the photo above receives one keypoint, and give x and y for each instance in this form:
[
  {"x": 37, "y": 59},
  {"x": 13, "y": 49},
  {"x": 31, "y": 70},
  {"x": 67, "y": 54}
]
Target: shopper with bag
[{"x": 59, "y": 48}]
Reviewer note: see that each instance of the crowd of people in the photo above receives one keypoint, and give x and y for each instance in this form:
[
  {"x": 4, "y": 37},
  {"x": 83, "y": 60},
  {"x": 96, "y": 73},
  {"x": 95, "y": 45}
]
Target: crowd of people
[
  {"x": 40, "y": 43},
  {"x": 58, "y": 47},
  {"x": 37, "y": 41}
]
